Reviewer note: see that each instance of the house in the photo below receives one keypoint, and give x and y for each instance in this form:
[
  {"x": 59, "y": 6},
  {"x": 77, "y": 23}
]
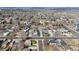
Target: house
[
  {"x": 52, "y": 42},
  {"x": 56, "y": 42},
  {"x": 6, "y": 33}
]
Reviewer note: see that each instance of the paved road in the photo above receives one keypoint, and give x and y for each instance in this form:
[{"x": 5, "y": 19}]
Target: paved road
[
  {"x": 40, "y": 45},
  {"x": 41, "y": 38},
  {"x": 73, "y": 31}
]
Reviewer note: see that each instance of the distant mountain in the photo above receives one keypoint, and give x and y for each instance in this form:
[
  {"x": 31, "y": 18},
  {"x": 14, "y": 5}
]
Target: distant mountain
[{"x": 61, "y": 9}]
